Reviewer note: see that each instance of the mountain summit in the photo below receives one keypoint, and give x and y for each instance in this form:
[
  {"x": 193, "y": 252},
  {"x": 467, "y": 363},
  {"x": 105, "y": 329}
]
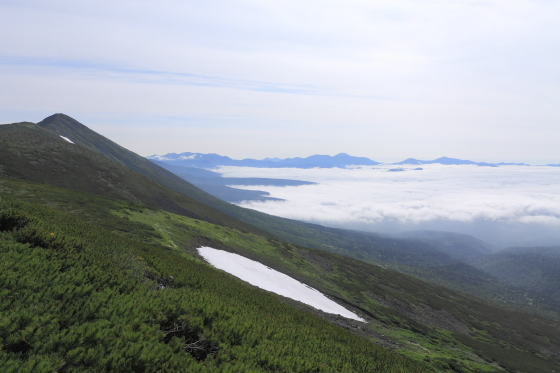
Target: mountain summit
[{"x": 68, "y": 127}]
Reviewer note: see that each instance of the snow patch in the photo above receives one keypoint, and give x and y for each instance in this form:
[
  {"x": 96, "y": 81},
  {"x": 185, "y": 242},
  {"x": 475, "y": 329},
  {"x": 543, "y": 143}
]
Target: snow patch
[
  {"x": 158, "y": 157},
  {"x": 268, "y": 279},
  {"x": 67, "y": 139},
  {"x": 188, "y": 157}
]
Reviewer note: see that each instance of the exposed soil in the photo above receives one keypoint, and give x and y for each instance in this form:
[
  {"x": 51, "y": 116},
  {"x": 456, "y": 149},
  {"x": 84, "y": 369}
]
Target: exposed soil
[
  {"x": 323, "y": 263},
  {"x": 550, "y": 351}
]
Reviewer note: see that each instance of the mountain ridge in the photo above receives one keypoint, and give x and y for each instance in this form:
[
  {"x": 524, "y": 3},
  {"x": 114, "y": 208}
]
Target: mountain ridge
[
  {"x": 27, "y": 154},
  {"x": 455, "y": 161},
  {"x": 341, "y": 160},
  {"x": 460, "y": 333},
  {"x": 212, "y": 160},
  {"x": 27, "y": 161}
]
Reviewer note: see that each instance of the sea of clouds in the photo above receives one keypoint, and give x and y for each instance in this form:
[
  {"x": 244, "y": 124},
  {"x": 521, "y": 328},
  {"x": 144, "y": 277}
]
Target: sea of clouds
[{"x": 508, "y": 205}]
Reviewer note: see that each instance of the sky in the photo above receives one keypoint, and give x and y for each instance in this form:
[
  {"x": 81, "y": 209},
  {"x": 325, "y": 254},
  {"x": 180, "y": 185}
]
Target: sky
[
  {"x": 505, "y": 206},
  {"x": 386, "y": 80}
]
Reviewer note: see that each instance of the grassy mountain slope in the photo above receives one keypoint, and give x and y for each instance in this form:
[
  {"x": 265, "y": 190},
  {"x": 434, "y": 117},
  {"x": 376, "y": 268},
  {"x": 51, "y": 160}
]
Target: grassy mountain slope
[
  {"x": 445, "y": 330},
  {"x": 100, "y": 166},
  {"x": 77, "y": 298},
  {"x": 25, "y": 155},
  {"x": 294, "y": 231},
  {"x": 81, "y": 135},
  {"x": 458, "y": 246},
  {"x": 535, "y": 269},
  {"x": 29, "y": 127},
  {"x": 28, "y": 155}
]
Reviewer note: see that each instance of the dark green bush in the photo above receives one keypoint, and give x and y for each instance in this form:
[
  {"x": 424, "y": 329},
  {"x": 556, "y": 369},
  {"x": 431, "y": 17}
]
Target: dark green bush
[{"x": 77, "y": 298}]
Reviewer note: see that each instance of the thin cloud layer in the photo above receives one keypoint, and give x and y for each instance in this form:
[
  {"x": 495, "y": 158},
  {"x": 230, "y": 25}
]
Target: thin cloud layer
[
  {"x": 375, "y": 197},
  {"x": 245, "y": 78}
]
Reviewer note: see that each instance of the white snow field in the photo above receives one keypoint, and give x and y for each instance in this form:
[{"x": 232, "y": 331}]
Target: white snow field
[
  {"x": 268, "y": 279},
  {"x": 67, "y": 139}
]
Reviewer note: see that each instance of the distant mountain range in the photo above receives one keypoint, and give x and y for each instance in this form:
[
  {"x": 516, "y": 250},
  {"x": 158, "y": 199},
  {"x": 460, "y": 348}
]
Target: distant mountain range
[
  {"x": 200, "y": 160},
  {"x": 207, "y": 161},
  {"x": 455, "y": 161}
]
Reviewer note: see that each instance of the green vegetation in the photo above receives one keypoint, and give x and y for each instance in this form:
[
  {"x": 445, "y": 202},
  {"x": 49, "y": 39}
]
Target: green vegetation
[
  {"x": 29, "y": 155},
  {"x": 424, "y": 322},
  {"x": 77, "y": 298},
  {"x": 432, "y": 325},
  {"x": 99, "y": 166},
  {"x": 535, "y": 269},
  {"x": 89, "y": 287}
]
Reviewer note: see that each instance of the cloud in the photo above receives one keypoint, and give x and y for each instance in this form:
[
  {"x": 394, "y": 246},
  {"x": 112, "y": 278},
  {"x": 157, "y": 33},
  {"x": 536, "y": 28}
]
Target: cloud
[
  {"x": 453, "y": 196},
  {"x": 380, "y": 78},
  {"x": 148, "y": 76}
]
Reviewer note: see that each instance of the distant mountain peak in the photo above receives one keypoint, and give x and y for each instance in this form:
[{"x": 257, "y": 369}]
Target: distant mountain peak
[
  {"x": 410, "y": 161},
  {"x": 456, "y": 161}
]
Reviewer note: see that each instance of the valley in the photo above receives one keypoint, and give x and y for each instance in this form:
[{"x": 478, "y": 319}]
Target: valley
[{"x": 92, "y": 205}]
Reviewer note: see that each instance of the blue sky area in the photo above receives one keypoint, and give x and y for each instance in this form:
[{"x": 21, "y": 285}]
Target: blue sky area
[{"x": 385, "y": 80}]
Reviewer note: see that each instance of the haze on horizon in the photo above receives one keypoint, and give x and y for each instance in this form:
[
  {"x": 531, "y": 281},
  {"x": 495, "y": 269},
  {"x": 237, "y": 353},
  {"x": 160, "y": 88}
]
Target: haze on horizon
[{"x": 253, "y": 79}]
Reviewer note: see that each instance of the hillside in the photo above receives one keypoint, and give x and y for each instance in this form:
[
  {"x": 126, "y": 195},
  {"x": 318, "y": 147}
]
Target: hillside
[
  {"x": 445, "y": 330},
  {"x": 535, "y": 269},
  {"x": 24, "y": 155},
  {"x": 105, "y": 168},
  {"x": 91, "y": 300},
  {"x": 28, "y": 154},
  {"x": 434, "y": 326},
  {"x": 458, "y": 246}
]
